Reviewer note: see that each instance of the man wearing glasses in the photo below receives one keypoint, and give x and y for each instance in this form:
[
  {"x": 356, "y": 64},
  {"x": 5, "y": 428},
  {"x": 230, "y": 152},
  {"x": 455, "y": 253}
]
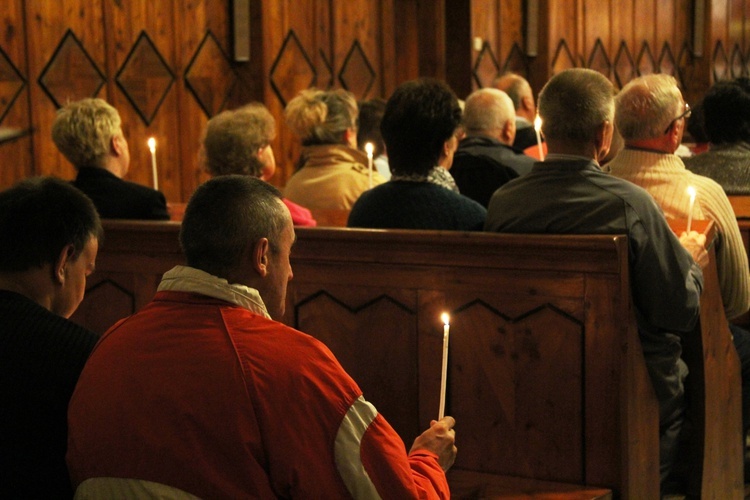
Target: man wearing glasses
[{"x": 651, "y": 114}]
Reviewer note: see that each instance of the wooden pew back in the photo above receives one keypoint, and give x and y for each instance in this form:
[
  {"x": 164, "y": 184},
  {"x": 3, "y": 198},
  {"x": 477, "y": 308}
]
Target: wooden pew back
[{"x": 546, "y": 374}]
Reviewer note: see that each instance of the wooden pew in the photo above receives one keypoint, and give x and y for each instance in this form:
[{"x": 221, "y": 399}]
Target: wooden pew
[
  {"x": 546, "y": 374},
  {"x": 741, "y": 207}
]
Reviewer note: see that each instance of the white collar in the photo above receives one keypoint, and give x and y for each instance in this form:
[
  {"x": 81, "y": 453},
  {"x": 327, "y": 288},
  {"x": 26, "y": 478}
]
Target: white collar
[{"x": 189, "y": 279}]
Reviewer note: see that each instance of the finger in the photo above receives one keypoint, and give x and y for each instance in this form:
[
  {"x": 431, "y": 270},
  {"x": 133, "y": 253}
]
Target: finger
[{"x": 449, "y": 422}]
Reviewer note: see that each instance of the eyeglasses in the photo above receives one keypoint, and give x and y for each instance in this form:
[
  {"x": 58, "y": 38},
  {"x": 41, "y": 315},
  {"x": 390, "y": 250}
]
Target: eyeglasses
[{"x": 685, "y": 114}]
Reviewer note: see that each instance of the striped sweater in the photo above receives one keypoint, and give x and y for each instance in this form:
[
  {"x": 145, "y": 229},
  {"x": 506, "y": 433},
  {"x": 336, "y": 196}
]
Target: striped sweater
[{"x": 665, "y": 177}]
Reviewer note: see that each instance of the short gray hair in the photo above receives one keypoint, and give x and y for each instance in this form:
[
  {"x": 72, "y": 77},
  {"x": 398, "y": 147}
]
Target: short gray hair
[
  {"x": 646, "y": 106},
  {"x": 487, "y": 109},
  {"x": 574, "y": 103},
  {"x": 233, "y": 138},
  {"x": 224, "y": 216},
  {"x": 83, "y": 129}
]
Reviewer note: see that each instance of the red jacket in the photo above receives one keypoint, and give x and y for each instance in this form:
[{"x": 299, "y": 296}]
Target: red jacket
[{"x": 213, "y": 399}]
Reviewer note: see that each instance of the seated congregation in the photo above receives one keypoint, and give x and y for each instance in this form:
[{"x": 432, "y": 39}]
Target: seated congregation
[{"x": 590, "y": 352}]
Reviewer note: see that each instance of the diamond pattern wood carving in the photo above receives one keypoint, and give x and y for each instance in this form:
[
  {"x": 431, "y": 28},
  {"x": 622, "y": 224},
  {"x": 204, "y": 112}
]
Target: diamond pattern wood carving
[
  {"x": 210, "y": 76},
  {"x": 11, "y": 84},
  {"x": 145, "y": 78},
  {"x": 71, "y": 74},
  {"x": 292, "y": 70}
]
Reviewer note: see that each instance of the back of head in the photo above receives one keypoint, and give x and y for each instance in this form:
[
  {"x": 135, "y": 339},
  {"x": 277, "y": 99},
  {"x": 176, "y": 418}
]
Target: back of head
[
  {"x": 224, "y": 216},
  {"x": 726, "y": 112},
  {"x": 233, "y": 139},
  {"x": 486, "y": 110},
  {"x": 38, "y": 218},
  {"x": 646, "y": 106},
  {"x": 516, "y": 86},
  {"x": 370, "y": 115},
  {"x": 83, "y": 129},
  {"x": 419, "y": 117},
  {"x": 573, "y": 105},
  {"x": 322, "y": 117}
]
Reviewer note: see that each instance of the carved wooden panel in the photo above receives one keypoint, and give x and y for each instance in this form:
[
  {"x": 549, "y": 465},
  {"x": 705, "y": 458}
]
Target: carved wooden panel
[{"x": 364, "y": 347}]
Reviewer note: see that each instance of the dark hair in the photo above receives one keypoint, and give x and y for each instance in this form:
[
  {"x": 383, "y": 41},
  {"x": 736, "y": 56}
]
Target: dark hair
[
  {"x": 370, "y": 115},
  {"x": 419, "y": 117},
  {"x": 726, "y": 111},
  {"x": 38, "y": 218},
  {"x": 224, "y": 216}
]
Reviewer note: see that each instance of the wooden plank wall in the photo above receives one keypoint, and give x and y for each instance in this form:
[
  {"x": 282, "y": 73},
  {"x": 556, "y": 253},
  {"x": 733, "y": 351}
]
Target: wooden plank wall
[{"x": 167, "y": 65}]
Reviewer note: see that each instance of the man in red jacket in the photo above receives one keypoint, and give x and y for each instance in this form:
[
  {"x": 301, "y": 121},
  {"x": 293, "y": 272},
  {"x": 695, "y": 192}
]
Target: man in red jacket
[{"x": 202, "y": 394}]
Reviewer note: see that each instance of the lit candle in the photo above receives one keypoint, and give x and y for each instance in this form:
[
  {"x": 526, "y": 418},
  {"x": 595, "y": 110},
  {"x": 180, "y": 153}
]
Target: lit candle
[
  {"x": 691, "y": 191},
  {"x": 444, "y": 374},
  {"x": 369, "y": 148},
  {"x": 152, "y": 148},
  {"x": 537, "y": 129}
]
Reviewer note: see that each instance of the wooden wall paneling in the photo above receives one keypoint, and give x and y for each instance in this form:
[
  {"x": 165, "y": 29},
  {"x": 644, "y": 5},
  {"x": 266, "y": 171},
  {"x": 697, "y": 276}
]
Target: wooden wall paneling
[
  {"x": 459, "y": 60},
  {"x": 66, "y": 50},
  {"x": 563, "y": 35},
  {"x": 208, "y": 81},
  {"x": 296, "y": 56},
  {"x": 389, "y": 49},
  {"x": 15, "y": 155},
  {"x": 624, "y": 48},
  {"x": 432, "y": 41},
  {"x": 717, "y": 50},
  {"x": 596, "y": 49},
  {"x": 147, "y": 77},
  {"x": 357, "y": 49},
  {"x": 482, "y": 42},
  {"x": 512, "y": 24},
  {"x": 666, "y": 41},
  {"x": 406, "y": 39}
]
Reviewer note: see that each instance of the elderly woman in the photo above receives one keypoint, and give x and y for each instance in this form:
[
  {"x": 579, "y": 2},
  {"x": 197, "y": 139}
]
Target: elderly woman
[
  {"x": 333, "y": 172},
  {"x": 419, "y": 127},
  {"x": 239, "y": 142}
]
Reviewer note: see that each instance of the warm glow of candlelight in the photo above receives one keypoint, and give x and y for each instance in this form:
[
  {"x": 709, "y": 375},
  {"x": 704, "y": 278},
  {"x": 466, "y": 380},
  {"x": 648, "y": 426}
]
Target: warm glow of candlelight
[
  {"x": 538, "y": 123},
  {"x": 152, "y": 147},
  {"x": 152, "y": 144},
  {"x": 537, "y": 129},
  {"x": 444, "y": 372},
  {"x": 369, "y": 149}
]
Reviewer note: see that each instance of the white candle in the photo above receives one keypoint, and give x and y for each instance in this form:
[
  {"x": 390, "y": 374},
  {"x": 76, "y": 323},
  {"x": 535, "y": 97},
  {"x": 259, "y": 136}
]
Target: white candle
[
  {"x": 537, "y": 129},
  {"x": 369, "y": 148},
  {"x": 691, "y": 191},
  {"x": 152, "y": 147},
  {"x": 444, "y": 374}
]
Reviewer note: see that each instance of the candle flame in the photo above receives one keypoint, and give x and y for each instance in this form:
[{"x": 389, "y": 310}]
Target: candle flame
[
  {"x": 152, "y": 144},
  {"x": 369, "y": 148},
  {"x": 446, "y": 319},
  {"x": 538, "y": 123},
  {"x": 691, "y": 191}
]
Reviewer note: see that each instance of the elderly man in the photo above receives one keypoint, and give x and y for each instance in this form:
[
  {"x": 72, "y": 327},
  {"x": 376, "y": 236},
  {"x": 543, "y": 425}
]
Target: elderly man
[
  {"x": 50, "y": 234},
  {"x": 485, "y": 160},
  {"x": 650, "y": 114},
  {"x": 569, "y": 194},
  {"x": 519, "y": 91},
  {"x": 89, "y": 134},
  {"x": 217, "y": 400}
]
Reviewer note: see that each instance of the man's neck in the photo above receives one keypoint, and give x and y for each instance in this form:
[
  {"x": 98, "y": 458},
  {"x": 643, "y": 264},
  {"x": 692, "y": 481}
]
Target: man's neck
[{"x": 657, "y": 145}]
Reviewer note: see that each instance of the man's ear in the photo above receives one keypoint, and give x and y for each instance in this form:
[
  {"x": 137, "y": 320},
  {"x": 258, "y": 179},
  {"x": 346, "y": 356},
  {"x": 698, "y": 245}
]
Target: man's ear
[
  {"x": 508, "y": 134},
  {"x": 115, "y": 145},
  {"x": 527, "y": 103},
  {"x": 604, "y": 139},
  {"x": 67, "y": 254},
  {"x": 259, "y": 257}
]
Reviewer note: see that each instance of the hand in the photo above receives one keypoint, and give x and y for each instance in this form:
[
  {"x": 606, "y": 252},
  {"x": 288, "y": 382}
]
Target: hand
[
  {"x": 440, "y": 439},
  {"x": 695, "y": 243}
]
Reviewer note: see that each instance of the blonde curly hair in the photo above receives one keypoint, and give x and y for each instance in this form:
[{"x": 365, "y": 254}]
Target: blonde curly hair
[
  {"x": 233, "y": 139},
  {"x": 83, "y": 129},
  {"x": 321, "y": 117}
]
